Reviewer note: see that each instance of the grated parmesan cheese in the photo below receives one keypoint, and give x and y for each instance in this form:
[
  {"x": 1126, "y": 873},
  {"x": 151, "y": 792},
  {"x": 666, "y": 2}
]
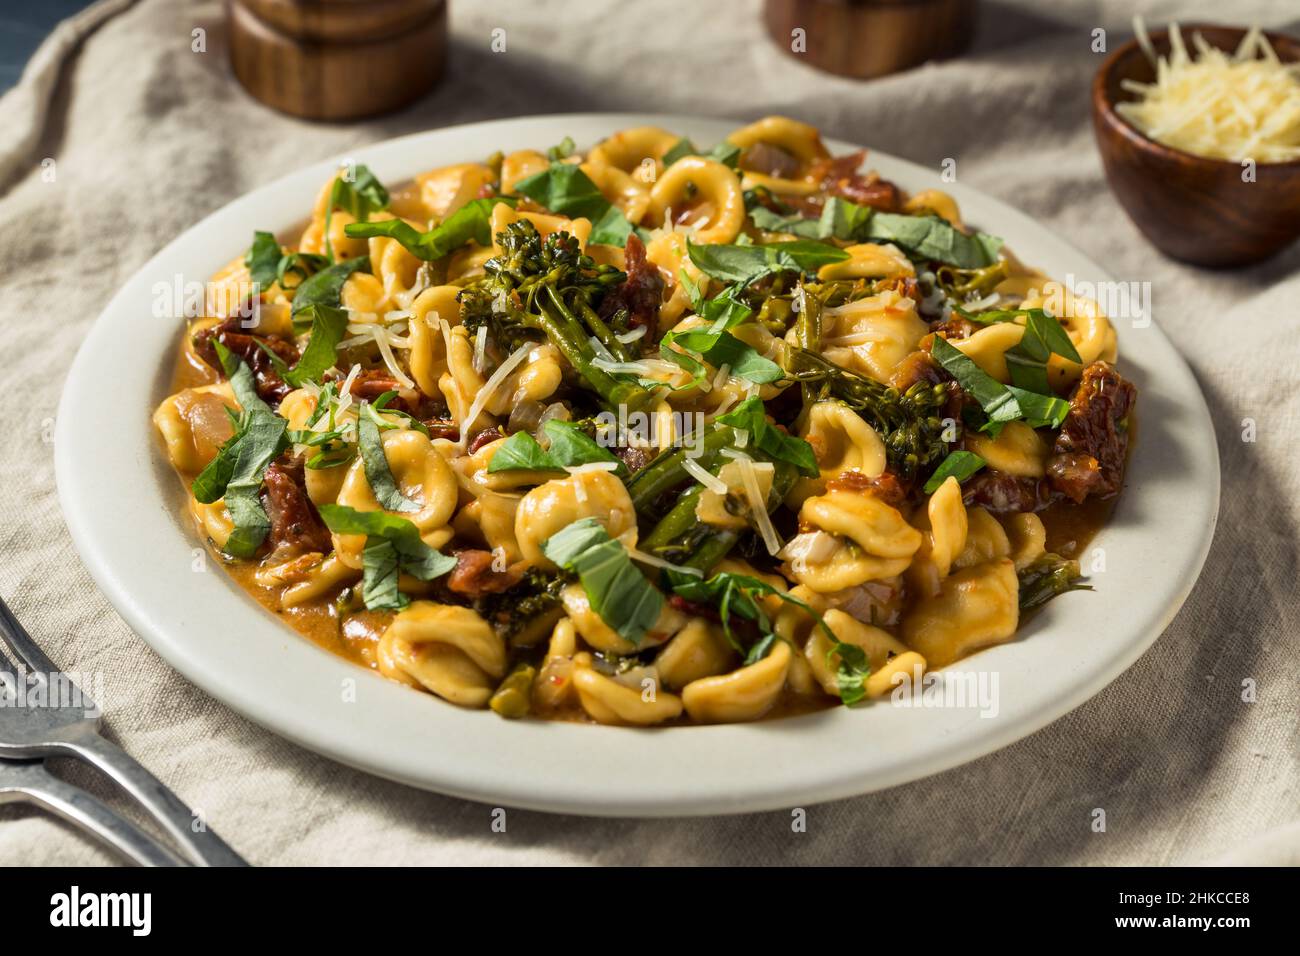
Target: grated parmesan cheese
[
  {"x": 657, "y": 562},
  {"x": 1237, "y": 107},
  {"x": 489, "y": 388},
  {"x": 758, "y": 507},
  {"x": 712, "y": 482}
]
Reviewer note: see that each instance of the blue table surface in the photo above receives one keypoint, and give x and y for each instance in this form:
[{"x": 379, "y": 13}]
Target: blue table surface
[{"x": 22, "y": 28}]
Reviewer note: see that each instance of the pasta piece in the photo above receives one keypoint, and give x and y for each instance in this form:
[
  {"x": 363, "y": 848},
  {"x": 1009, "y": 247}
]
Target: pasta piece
[
  {"x": 870, "y": 540},
  {"x": 553, "y": 506},
  {"x": 975, "y": 607},
  {"x": 1027, "y": 538},
  {"x": 935, "y": 201},
  {"x": 214, "y": 521},
  {"x": 323, "y": 578},
  {"x": 608, "y": 701},
  {"x": 428, "y": 354},
  {"x": 445, "y": 190},
  {"x": 872, "y": 335},
  {"x": 194, "y": 425},
  {"x": 519, "y": 165},
  {"x": 422, "y": 475},
  {"x": 1018, "y": 450},
  {"x": 842, "y": 442},
  {"x": 553, "y": 690},
  {"x": 708, "y": 191},
  {"x": 744, "y": 694},
  {"x": 870, "y": 260},
  {"x": 879, "y": 645},
  {"x": 698, "y": 650},
  {"x": 446, "y": 649},
  {"x": 985, "y": 540},
  {"x": 599, "y": 635},
  {"x": 503, "y": 215},
  {"x": 630, "y": 150}
]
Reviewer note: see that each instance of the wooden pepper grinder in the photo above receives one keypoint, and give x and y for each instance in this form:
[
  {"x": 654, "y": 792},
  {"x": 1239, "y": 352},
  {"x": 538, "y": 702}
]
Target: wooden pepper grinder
[
  {"x": 869, "y": 38},
  {"x": 337, "y": 59}
]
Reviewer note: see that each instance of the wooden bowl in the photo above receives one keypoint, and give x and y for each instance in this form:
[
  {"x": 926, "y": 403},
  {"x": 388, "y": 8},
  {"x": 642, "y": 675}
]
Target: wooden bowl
[
  {"x": 337, "y": 59},
  {"x": 869, "y": 38},
  {"x": 1194, "y": 209}
]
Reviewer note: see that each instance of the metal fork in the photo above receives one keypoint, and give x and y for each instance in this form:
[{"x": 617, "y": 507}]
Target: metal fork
[{"x": 68, "y": 729}]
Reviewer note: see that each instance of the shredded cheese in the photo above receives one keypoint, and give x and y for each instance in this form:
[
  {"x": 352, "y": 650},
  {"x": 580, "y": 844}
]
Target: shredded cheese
[
  {"x": 480, "y": 348},
  {"x": 1239, "y": 106},
  {"x": 489, "y": 389},
  {"x": 638, "y": 332},
  {"x": 758, "y": 507},
  {"x": 657, "y": 562},
  {"x": 712, "y": 482}
]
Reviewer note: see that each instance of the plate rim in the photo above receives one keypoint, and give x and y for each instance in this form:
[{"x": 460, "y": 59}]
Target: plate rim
[{"x": 471, "y": 776}]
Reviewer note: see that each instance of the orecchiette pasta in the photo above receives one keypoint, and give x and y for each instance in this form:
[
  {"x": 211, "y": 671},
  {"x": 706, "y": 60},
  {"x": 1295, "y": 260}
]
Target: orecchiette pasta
[{"x": 721, "y": 437}]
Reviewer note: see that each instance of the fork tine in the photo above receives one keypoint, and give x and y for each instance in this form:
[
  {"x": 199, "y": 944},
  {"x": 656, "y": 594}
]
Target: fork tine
[{"x": 21, "y": 643}]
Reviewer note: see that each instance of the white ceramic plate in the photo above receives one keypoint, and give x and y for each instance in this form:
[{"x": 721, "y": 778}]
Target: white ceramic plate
[{"x": 124, "y": 507}]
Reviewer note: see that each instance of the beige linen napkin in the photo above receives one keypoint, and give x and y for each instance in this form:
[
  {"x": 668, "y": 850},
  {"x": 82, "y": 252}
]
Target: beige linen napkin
[{"x": 144, "y": 136}]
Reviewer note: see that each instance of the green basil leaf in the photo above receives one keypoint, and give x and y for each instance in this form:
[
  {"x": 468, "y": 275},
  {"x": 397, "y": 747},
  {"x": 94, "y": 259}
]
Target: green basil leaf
[
  {"x": 929, "y": 237},
  {"x": 263, "y": 260},
  {"x": 723, "y": 348},
  {"x": 381, "y": 571},
  {"x": 360, "y": 196},
  {"x": 378, "y": 475},
  {"x": 998, "y": 403},
  {"x": 521, "y": 452},
  {"x": 746, "y": 264},
  {"x": 679, "y": 150},
  {"x": 618, "y": 592},
  {"x": 562, "y": 150},
  {"x": 728, "y": 154},
  {"x": 751, "y": 416},
  {"x": 959, "y": 464},
  {"x": 566, "y": 190},
  {"x": 569, "y": 447},
  {"x": 324, "y": 288},
  {"x": 1040, "y": 411},
  {"x": 413, "y": 555},
  {"x": 261, "y": 443},
  {"x": 840, "y": 219},
  {"x": 327, "y": 327},
  {"x": 852, "y": 673},
  {"x": 472, "y": 222}
]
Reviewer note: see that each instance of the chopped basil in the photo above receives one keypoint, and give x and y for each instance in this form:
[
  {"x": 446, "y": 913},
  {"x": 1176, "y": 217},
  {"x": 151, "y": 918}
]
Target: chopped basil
[
  {"x": 1040, "y": 411},
  {"x": 840, "y": 219},
  {"x": 562, "y": 150},
  {"x": 932, "y": 238},
  {"x": 959, "y": 464},
  {"x": 746, "y": 264},
  {"x": 378, "y": 475},
  {"x": 393, "y": 545},
  {"x": 726, "y": 153},
  {"x": 1027, "y": 361},
  {"x": 472, "y": 222},
  {"x": 738, "y": 594},
  {"x": 327, "y": 327},
  {"x": 722, "y": 348},
  {"x": 263, "y": 260},
  {"x": 381, "y": 403},
  {"x": 924, "y": 237},
  {"x": 998, "y": 403},
  {"x": 851, "y": 676},
  {"x": 566, "y": 190},
  {"x": 569, "y": 447},
  {"x": 236, "y": 473},
  {"x": 324, "y": 288},
  {"x": 751, "y": 416},
  {"x": 619, "y": 593},
  {"x": 360, "y": 196}
]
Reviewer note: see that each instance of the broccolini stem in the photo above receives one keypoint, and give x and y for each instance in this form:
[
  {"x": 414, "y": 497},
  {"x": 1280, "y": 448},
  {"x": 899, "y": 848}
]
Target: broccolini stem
[
  {"x": 604, "y": 333},
  {"x": 566, "y": 334},
  {"x": 667, "y": 471}
]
